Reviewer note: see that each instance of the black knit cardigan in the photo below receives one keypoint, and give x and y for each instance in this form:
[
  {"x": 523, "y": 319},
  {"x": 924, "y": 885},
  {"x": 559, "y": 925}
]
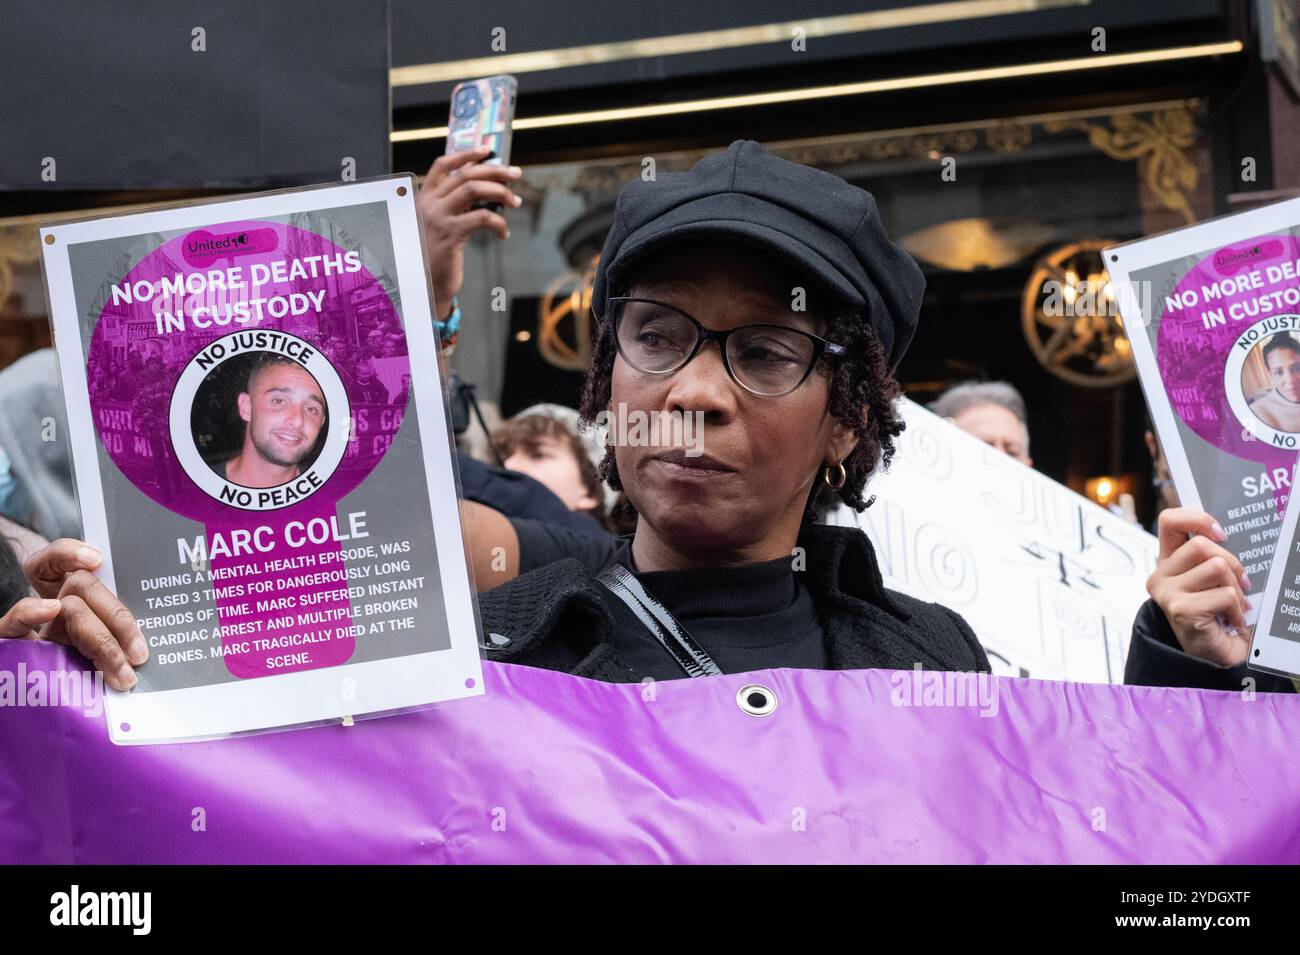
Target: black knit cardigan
[{"x": 558, "y": 617}]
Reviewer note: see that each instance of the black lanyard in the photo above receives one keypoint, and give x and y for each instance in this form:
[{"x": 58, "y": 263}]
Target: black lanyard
[{"x": 690, "y": 656}]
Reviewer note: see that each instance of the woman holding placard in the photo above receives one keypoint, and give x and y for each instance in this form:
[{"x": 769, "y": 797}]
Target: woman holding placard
[{"x": 765, "y": 297}]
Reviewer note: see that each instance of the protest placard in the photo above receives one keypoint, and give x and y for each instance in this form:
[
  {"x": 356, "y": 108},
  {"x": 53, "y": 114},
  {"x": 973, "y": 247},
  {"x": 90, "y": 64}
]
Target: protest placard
[
  {"x": 262, "y": 454},
  {"x": 1213, "y": 315}
]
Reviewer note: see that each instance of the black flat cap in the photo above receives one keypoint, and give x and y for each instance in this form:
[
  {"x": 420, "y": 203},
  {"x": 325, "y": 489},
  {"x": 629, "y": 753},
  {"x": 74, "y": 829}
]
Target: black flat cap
[{"x": 825, "y": 227}]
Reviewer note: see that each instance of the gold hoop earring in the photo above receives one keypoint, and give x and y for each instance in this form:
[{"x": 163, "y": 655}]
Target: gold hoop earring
[{"x": 839, "y": 482}]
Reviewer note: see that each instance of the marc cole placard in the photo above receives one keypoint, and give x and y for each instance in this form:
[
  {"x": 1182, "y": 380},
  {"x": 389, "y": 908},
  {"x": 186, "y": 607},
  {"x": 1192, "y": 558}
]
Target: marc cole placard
[
  {"x": 261, "y": 452},
  {"x": 1213, "y": 314}
]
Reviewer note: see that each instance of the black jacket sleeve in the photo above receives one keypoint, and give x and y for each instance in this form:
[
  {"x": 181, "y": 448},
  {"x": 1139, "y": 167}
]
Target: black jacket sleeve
[
  {"x": 1155, "y": 659},
  {"x": 554, "y": 618},
  {"x": 542, "y": 543},
  {"x": 980, "y": 658}
]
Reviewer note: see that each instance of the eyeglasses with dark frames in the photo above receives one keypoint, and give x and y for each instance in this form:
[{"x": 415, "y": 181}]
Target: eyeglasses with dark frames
[{"x": 765, "y": 359}]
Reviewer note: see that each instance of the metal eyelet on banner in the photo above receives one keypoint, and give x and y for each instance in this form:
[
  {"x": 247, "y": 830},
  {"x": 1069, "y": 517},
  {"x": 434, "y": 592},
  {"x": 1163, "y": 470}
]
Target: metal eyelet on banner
[{"x": 756, "y": 700}]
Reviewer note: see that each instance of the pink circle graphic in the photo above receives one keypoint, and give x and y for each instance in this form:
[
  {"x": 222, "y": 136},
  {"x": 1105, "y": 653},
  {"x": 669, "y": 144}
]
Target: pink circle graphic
[
  {"x": 253, "y": 287},
  {"x": 1192, "y": 356},
  {"x": 138, "y": 354}
]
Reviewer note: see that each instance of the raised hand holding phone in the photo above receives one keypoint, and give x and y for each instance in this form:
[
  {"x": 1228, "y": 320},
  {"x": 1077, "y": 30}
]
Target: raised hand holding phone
[{"x": 467, "y": 187}]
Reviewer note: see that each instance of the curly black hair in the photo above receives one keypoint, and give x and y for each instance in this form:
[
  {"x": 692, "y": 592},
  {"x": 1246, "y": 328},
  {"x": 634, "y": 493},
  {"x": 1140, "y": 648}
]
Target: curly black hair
[{"x": 860, "y": 380}]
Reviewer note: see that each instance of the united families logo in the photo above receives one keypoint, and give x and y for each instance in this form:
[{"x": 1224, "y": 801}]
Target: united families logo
[
  {"x": 202, "y": 248},
  {"x": 1224, "y": 259},
  {"x": 1229, "y": 260}
]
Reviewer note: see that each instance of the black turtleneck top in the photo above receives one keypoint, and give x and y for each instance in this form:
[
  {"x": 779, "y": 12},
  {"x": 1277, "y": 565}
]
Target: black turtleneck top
[{"x": 756, "y": 617}]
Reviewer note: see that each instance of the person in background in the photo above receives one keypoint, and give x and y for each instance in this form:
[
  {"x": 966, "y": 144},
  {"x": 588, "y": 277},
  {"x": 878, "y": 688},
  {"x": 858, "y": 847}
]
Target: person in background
[
  {"x": 375, "y": 343},
  {"x": 456, "y": 202},
  {"x": 99, "y": 381},
  {"x": 150, "y": 397},
  {"x": 367, "y": 388},
  {"x": 460, "y": 198},
  {"x": 992, "y": 411},
  {"x": 526, "y": 503},
  {"x": 404, "y": 395},
  {"x": 35, "y": 467},
  {"x": 543, "y": 447}
]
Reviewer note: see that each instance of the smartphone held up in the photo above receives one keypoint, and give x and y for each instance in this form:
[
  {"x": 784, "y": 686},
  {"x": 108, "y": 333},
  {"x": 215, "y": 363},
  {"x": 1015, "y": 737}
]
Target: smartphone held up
[{"x": 482, "y": 113}]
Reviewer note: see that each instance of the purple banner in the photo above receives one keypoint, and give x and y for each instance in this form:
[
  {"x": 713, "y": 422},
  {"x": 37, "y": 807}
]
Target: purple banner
[{"x": 852, "y": 766}]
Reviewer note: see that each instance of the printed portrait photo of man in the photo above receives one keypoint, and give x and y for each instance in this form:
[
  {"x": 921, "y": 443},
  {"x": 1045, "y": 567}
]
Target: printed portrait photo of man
[{"x": 283, "y": 410}]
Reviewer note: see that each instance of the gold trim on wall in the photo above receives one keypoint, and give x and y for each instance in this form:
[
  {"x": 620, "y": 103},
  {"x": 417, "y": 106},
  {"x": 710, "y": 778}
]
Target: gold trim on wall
[
  {"x": 860, "y": 88},
  {"x": 1160, "y": 136},
  {"x": 706, "y": 41}
]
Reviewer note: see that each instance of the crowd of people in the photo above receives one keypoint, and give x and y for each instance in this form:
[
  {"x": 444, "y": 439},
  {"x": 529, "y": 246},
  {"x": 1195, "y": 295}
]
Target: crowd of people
[{"x": 693, "y": 295}]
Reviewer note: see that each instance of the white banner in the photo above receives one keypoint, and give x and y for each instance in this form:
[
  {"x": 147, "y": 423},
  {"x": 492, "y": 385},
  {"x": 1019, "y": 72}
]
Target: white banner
[{"x": 1048, "y": 580}]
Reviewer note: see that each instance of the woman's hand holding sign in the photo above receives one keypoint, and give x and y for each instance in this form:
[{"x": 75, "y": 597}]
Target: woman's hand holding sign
[
  {"x": 73, "y": 607},
  {"x": 1199, "y": 586}
]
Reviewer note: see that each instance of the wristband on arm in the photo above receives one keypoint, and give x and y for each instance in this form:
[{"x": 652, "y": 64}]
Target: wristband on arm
[{"x": 450, "y": 329}]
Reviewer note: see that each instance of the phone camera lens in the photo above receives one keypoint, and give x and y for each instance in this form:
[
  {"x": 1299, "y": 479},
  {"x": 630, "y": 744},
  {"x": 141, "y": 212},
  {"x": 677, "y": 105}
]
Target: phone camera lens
[{"x": 466, "y": 103}]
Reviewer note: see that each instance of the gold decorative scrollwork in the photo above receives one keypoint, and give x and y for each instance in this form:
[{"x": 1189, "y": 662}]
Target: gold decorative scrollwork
[
  {"x": 1159, "y": 137},
  {"x": 1009, "y": 136},
  {"x": 1159, "y": 144}
]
